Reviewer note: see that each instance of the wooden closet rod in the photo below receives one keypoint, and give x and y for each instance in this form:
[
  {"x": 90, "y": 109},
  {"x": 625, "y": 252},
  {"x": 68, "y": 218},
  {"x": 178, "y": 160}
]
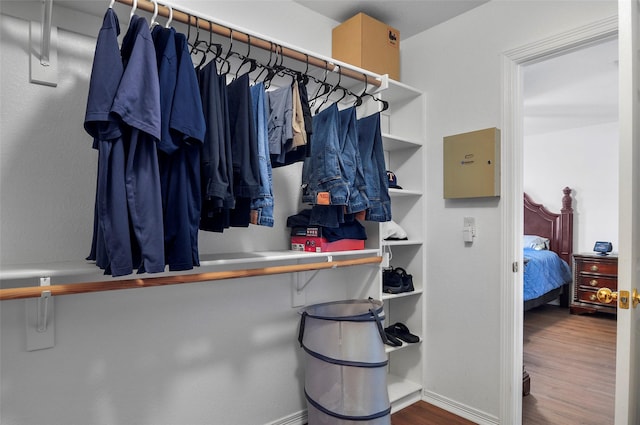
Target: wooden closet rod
[
  {"x": 82, "y": 288},
  {"x": 206, "y": 24}
]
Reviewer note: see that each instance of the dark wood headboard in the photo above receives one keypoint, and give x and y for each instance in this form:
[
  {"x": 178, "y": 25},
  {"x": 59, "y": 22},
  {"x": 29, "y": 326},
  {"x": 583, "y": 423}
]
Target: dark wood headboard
[{"x": 558, "y": 228}]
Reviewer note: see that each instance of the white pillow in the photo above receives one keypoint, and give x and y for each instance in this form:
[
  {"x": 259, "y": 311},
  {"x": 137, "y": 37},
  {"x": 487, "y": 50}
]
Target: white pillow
[{"x": 536, "y": 242}]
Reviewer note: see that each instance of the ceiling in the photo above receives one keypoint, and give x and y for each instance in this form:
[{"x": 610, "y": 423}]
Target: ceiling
[
  {"x": 410, "y": 17},
  {"x": 577, "y": 89}
]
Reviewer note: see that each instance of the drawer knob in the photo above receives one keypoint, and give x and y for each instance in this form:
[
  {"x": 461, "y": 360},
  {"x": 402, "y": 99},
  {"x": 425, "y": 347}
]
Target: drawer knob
[
  {"x": 594, "y": 268},
  {"x": 593, "y": 297},
  {"x": 593, "y": 282}
]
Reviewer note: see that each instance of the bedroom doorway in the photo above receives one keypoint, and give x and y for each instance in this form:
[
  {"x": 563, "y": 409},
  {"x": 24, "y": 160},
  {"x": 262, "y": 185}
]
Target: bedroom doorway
[{"x": 570, "y": 138}]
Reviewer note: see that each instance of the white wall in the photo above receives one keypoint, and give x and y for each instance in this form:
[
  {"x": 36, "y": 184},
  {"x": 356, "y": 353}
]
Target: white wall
[
  {"x": 212, "y": 353},
  {"x": 458, "y": 64},
  {"x": 226, "y": 353},
  {"x": 586, "y": 160}
]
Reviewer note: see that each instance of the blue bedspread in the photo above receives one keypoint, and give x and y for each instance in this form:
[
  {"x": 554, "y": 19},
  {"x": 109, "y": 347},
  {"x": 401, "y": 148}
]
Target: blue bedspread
[{"x": 543, "y": 271}]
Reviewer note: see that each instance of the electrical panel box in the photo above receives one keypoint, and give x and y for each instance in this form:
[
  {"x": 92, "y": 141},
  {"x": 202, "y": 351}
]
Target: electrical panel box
[{"x": 472, "y": 164}]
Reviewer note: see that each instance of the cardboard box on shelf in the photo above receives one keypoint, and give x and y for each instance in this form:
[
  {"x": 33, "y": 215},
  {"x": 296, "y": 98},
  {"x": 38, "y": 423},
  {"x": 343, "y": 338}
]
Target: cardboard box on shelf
[
  {"x": 315, "y": 244},
  {"x": 369, "y": 44}
]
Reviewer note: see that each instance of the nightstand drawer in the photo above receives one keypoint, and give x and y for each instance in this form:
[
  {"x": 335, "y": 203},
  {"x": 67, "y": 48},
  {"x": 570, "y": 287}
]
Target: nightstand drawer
[
  {"x": 597, "y": 267},
  {"x": 597, "y": 282}
]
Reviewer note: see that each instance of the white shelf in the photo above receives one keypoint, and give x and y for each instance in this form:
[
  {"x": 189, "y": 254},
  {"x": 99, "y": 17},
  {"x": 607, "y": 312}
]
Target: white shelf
[
  {"x": 407, "y": 242},
  {"x": 396, "y": 91},
  {"x": 400, "y": 388},
  {"x": 403, "y": 144},
  {"x": 399, "y": 193},
  {"x": 393, "y": 143},
  {"x": 405, "y": 345},
  {"x": 414, "y": 293},
  {"x": 31, "y": 273}
]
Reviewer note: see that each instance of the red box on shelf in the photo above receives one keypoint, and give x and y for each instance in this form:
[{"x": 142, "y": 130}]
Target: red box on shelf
[{"x": 317, "y": 244}]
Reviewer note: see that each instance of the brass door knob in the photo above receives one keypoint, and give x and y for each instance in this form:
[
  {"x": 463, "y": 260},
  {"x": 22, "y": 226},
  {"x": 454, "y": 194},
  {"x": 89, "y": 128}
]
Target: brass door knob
[{"x": 606, "y": 295}]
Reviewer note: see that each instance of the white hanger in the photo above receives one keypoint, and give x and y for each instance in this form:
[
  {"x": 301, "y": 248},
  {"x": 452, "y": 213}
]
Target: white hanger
[
  {"x": 133, "y": 9},
  {"x": 155, "y": 14},
  {"x": 170, "y": 16},
  {"x": 111, "y": 4}
]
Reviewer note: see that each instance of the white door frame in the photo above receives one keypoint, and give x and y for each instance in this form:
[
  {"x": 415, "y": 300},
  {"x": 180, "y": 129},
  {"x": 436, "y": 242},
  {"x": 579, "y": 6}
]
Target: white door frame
[
  {"x": 512, "y": 205},
  {"x": 627, "y": 410}
]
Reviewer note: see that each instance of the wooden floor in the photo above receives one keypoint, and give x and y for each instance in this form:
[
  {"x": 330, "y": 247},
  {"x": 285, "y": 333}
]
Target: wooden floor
[
  {"x": 422, "y": 413},
  {"x": 571, "y": 362}
]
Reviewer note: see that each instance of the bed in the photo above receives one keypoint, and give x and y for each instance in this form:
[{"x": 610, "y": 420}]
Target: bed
[
  {"x": 546, "y": 276},
  {"x": 557, "y": 228}
]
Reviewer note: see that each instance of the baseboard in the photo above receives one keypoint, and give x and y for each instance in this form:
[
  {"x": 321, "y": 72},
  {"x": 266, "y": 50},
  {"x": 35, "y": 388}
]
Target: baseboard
[
  {"x": 474, "y": 415},
  {"x": 299, "y": 418},
  {"x": 405, "y": 401}
]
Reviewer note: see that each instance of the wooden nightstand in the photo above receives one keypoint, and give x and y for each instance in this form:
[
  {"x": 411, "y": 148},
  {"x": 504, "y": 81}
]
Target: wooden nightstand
[{"x": 590, "y": 273}]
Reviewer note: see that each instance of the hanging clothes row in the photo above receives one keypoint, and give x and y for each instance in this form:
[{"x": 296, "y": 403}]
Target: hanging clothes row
[{"x": 184, "y": 148}]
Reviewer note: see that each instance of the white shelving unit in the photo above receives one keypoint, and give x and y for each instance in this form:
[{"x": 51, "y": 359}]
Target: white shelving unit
[{"x": 403, "y": 142}]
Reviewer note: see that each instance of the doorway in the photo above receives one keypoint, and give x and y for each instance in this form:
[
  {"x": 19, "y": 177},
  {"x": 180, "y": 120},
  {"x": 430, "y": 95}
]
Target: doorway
[
  {"x": 514, "y": 63},
  {"x": 570, "y": 130}
]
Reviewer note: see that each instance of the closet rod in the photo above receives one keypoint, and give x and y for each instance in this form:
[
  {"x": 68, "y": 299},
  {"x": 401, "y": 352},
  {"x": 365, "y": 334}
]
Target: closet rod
[
  {"x": 101, "y": 286},
  {"x": 190, "y": 19}
]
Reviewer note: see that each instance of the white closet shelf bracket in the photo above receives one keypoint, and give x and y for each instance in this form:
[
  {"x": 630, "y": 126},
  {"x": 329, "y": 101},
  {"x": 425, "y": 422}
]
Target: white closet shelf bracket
[
  {"x": 334, "y": 265},
  {"x": 40, "y": 319},
  {"x": 301, "y": 281},
  {"x": 44, "y": 48},
  {"x": 43, "y": 311},
  {"x": 45, "y": 44}
]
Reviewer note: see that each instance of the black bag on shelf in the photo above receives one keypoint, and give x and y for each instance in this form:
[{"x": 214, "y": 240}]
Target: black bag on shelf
[
  {"x": 407, "y": 279},
  {"x": 391, "y": 281},
  {"x": 396, "y": 280}
]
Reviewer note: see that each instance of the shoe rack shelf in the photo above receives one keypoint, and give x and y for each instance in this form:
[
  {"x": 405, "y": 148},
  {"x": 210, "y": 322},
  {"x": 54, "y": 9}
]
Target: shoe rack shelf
[
  {"x": 407, "y": 242},
  {"x": 403, "y": 135},
  {"x": 392, "y": 142},
  {"x": 389, "y": 297},
  {"x": 388, "y": 349}
]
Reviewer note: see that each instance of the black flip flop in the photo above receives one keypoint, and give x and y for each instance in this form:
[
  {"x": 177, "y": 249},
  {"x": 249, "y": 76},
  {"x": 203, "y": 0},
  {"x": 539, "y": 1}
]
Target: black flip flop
[
  {"x": 392, "y": 340},
  {"x": 400, "y": 331}
]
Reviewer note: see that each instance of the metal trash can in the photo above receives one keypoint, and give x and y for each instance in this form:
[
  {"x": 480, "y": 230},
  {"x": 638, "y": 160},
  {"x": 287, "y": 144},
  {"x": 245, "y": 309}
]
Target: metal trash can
[{"x": 345, "y": 363}]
